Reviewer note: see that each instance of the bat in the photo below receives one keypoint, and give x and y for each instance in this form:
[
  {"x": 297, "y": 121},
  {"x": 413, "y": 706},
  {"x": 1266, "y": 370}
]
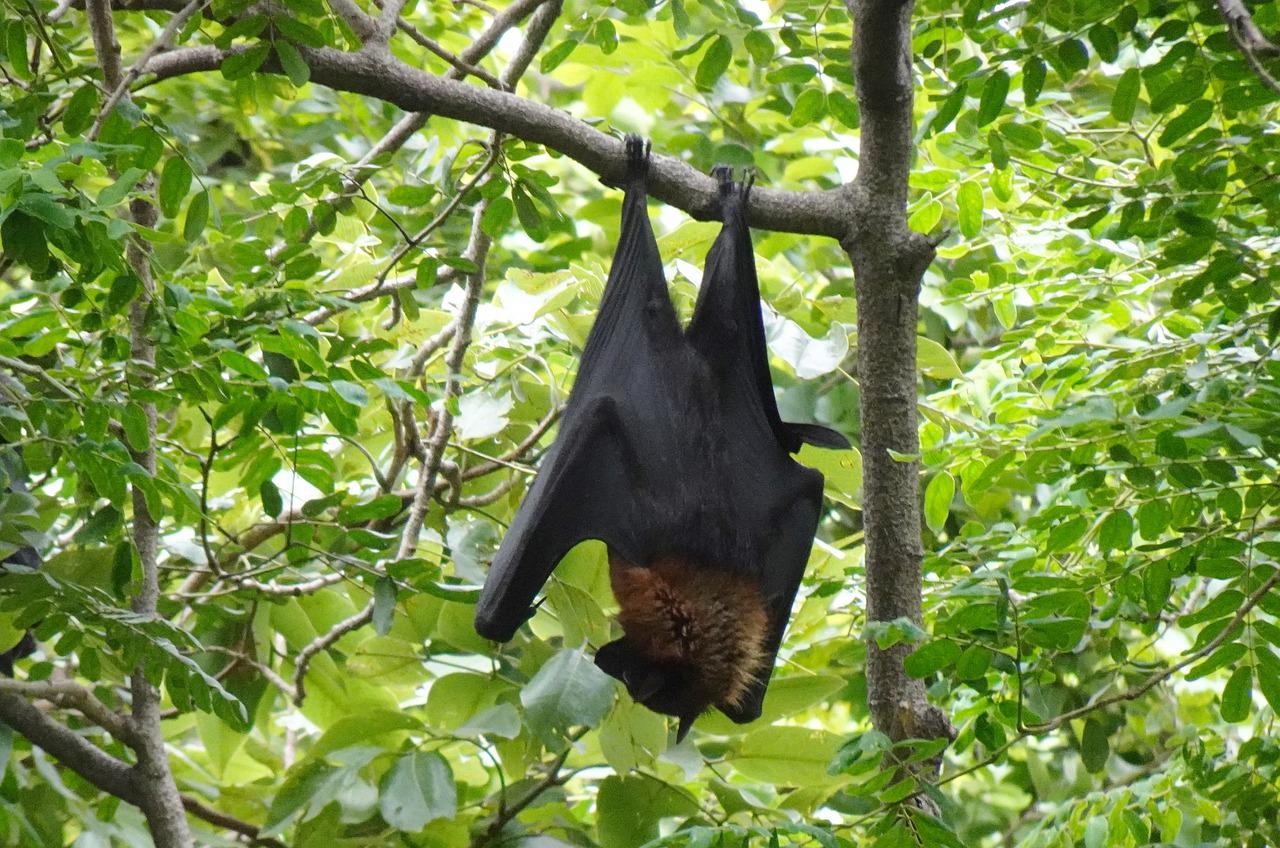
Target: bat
[{"x": 671, "y": 451}]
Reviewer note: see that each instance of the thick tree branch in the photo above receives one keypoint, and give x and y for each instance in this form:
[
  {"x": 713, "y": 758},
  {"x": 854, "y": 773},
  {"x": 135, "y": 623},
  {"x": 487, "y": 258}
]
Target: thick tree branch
[
  {"x": 157, "y": 793},
  {"x": 73, "y": 695},
  {"x": 69, "y": 748},
  {"x": 889, "y": 261},
  {"x": 161, "y": 43},
  {"x": 365, "y": 27},
  {"x": 829, "y": 213},
  {"x": 1250, "y": 39}
]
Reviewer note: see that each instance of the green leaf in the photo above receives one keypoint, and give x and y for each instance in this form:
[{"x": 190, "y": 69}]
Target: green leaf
[
  {"x": 295, "y": 67},
  {"x": 1153, "y": 519},
  {"x": 1104, "y": 41},
  {"x": 630, "y": 808},
  {"x": 973, "y": 663},
  {"x": 1189, "y": 119},
  {"x": 969, "y": 200},
  {"x": 1269, "y": 685},
  {"x": 993, "y": 96},
  {"x": 197, "y": 217},
  {"x": 1095, "y": 748},
  {"x": 1067, "y": 533},
  {"x": 567, "y": 691},
  {"x": 300, "y": 787},
  {"x": 1096, "y": 831},
  {"x": 272, "y": 502},
  {"x": 1073, "y": 55},
  {"x": 418, "y": 789},
  {"x": 949, "y": 108},
  {"x": 792, "y": 756},
  {"x": 937, "y": 500},
  {"x": 241, "y": 64},
  {"x": 935, "y": 360},
  {"x": 23, "y": 239},
  {"x": 364, "y": 728},
  {"x": 714, "y": 62},
  {"x": 175, "y": 182},
  {"x": 497, "y": 216},
  {"x": 760, "y": 46},
  {"x": 1229, "y": 654},
  {"x": 530, "y": 217},
  {"x": 931, "y": 657},
  {"x": 298, "y": 32},
  {"x": 843, "y": 109},
  {"x": 16, "y": 47},
  {"x": 1157, "y": 582},
  {"x": 384, "y": 605},
  {"x": 81, "y": 110},
  {"x": 679, "y": 19},
  {"x": 810, "y": 106},
  {"x": 1033, "y": 75},
  {"x": 1116, "y": 531},
  {"x": 1237, "y": 695},
  {"x": 556, "y": 55},
  {"x": 1125, "y": 99},
  {"x": 136, "y": 427},
  {"x": 383, "y": 506}
]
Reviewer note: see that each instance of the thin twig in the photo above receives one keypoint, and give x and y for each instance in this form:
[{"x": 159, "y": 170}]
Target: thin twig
[
  {"x": 323, "y": 642},
  {"x": 161, "y": 42},
  {"x": 507, "y": 812}
]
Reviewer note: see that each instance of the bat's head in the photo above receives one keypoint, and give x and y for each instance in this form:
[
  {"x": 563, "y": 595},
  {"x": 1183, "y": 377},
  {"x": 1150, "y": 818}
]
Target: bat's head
[{"x": 670, "y": 688}]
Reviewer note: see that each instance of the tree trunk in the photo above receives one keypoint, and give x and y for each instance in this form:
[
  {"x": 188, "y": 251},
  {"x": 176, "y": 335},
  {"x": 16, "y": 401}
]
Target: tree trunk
[{"x": 889, "y": 261}]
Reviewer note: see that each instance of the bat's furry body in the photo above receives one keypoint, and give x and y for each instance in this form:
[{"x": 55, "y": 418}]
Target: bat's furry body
[{"x": 705, "y": 620}]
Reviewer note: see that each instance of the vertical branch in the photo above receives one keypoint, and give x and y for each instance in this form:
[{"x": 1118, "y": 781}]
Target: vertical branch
[
  {"x": 157, "y": 792},
  {"x": 477, "y": 251},
  {"x": 889, "y": 261}
]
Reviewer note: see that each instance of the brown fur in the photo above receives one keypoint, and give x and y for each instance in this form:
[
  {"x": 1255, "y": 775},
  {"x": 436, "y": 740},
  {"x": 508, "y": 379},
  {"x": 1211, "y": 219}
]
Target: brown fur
[{"x": 707, "y": 619}]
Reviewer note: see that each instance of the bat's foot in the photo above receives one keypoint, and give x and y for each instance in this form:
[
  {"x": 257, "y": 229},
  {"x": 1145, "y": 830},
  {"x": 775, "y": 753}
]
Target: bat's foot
[
  {"x": 637, "y": 157},
  {"x": 741, "y": 190}
]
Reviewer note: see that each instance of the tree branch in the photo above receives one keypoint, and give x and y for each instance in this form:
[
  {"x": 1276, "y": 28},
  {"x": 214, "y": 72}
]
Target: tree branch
[
  {"x": 829, "y": 213},
  {"x": 1250, "y": 39},
  {"x": 70, "y": 694},
  {"x": 323, "y": 642},
  {"x": 889, "y": 261},
  {"x": 365, "y": 27},
  {"x": 69, "y": 748},
  {"x": 161, "y": 43}
]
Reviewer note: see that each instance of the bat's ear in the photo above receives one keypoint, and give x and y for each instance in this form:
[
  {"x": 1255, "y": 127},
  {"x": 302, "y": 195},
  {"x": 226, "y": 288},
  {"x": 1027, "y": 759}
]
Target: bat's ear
[{"x": 686, "y": 724}]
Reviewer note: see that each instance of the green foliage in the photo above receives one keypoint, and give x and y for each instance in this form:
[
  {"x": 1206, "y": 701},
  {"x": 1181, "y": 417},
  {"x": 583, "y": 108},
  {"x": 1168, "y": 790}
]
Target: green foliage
[{"x": 1099, "y": 394}]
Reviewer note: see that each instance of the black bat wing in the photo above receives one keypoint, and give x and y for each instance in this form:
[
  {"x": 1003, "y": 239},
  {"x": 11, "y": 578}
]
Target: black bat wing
[
  {"x": 728, "y": 325},
  {"x": 613, "y": 445},
  {"x": 774, "y": 495}
]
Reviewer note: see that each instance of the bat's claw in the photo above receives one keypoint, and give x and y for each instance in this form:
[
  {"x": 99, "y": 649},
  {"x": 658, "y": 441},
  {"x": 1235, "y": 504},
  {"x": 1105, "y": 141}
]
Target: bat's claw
[
  {"x": 637, "y": 157},
  {"x": 741, "y": 189},
  {"x": 723, "y": 175}
]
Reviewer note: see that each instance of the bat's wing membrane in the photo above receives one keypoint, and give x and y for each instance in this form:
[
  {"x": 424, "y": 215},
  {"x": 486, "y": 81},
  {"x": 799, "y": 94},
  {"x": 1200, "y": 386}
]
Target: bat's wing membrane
[
  {"x": 728, "y": 327},
  {"x": 587, "y": 485},
  {"x": 772, "y": 492}
]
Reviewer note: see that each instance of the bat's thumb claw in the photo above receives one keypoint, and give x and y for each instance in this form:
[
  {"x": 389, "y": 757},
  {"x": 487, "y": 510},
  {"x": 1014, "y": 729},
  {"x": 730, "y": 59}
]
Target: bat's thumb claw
[{"x": 686, "y": 724}]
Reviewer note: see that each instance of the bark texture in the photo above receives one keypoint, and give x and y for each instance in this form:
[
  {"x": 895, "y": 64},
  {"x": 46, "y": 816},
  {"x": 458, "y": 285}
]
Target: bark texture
[{"x": 889, "y": 261}]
